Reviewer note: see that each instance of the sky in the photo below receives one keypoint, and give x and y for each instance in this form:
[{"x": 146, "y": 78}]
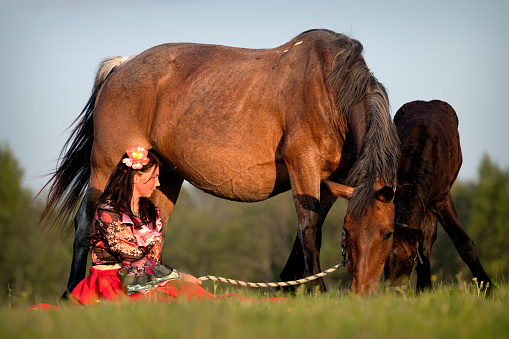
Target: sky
[{"x": 455, "y": 51}]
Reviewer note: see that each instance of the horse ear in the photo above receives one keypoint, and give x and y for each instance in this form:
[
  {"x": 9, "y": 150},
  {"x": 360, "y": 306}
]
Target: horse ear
[
  {"x": 339, "y": 190},
  {"x": 385, "y": 194}
]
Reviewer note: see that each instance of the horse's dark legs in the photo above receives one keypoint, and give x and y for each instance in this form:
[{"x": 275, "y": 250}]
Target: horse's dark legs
[
  {"x": 296, "y": 266},
  {"x": 448, "y": 217},
  {"x": 305, "y": 257},
  {"x": 310, "y": 235},
  {"x": 423, "y": 266},
  {"x": 423, "y": 270},
  {"x": 82, "y": 225}
]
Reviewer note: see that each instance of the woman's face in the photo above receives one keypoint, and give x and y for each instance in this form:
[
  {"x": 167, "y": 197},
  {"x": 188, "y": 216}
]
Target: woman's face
[{"x": 146, "y": 183}]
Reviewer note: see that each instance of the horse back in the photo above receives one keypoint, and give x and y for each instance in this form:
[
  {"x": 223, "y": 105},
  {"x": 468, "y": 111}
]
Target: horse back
[{"x": 430, "y": 144}]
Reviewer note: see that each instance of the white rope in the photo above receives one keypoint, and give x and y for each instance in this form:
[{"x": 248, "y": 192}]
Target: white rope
[{"x": 273, "y": 284}]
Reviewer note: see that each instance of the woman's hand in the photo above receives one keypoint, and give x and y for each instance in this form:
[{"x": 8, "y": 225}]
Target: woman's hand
[{"x": 190, "y": 278}]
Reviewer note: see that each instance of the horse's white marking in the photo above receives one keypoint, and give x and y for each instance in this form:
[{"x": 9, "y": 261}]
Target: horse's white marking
[{"x": 297, "y": 43}]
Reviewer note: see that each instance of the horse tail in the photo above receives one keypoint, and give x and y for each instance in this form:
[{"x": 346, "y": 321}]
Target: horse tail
[
  {"x": 69, "y": 182},
  {"x": 353, "y": 82}
]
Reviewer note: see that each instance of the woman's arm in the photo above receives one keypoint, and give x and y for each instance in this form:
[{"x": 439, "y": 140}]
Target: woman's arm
[
  {"x": 118, "y": 236},
  {"x": 190, "y": 278}
]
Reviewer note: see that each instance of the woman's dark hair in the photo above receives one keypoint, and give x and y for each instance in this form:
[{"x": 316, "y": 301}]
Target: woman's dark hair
[{"x": 120, "y": 185}]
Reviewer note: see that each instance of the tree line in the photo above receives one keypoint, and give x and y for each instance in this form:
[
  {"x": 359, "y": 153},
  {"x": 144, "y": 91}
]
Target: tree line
[{"x": 211, "y": 236}]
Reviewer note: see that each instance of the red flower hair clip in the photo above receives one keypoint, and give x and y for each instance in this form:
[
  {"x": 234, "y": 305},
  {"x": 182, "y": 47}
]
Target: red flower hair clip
[{"x": 137, "y": 157}]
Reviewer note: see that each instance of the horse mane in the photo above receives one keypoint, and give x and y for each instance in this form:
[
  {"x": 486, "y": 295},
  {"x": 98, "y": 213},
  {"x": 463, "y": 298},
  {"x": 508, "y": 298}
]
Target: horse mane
[
  {"x": 353, "y": 82},
  {"x": 70, "y": 179}
]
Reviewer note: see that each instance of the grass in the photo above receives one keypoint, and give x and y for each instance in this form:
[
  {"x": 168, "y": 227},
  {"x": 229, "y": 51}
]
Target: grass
[{"x": 459, "y": 311}]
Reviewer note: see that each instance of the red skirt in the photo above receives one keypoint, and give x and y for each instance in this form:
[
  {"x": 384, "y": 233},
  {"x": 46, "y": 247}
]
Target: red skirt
[{"x": 106, "y": 285}]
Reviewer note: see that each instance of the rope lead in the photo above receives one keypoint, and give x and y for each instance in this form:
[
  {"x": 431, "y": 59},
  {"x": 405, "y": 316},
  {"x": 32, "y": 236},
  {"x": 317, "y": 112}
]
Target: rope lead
[
  {"x": 284, "y": 283},
  {"x": 273, "y": 284}
]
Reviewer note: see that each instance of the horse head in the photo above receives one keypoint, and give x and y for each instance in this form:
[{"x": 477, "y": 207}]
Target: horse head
[
  {"x": 401, "y": 259},
  {"x": 409, "y": 211},
  {"x": 368, "y": 236}
]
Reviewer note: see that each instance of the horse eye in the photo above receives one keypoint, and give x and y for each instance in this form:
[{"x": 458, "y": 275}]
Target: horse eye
[
  {"x": 409, "y": 262},
  {"x": 387, "y": 235}
]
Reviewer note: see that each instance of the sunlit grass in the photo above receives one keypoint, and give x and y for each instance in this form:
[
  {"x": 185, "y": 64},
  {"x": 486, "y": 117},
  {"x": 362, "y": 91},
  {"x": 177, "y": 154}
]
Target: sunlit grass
[{"x": 458, "y": 311}]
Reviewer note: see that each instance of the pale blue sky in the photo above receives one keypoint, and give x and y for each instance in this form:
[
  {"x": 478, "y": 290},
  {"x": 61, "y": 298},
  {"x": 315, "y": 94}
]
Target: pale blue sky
[{"x": 456, "y": 51}]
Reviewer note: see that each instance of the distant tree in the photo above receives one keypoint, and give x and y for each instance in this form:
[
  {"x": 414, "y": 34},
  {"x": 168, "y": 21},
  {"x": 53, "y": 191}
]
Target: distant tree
[
  {"x": 12, "y": 200},
  {"x": 34, "y": 265},
  {"x": 489, "y": 217},
  {"x": 12, "y": 196},
  {"x": 483, "y": 209}
]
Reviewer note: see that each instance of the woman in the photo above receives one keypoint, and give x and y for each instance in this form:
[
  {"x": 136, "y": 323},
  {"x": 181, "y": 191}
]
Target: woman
[{"x": 126, "y": 242}]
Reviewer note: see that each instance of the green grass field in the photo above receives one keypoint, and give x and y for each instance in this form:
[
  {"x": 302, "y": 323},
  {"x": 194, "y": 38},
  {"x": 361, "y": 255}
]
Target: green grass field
[{"x": 448, "y": 311}]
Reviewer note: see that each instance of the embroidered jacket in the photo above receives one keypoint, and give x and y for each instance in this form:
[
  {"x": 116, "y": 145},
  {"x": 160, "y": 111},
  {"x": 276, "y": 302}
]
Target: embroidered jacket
[{"x": 115, "y": 239}]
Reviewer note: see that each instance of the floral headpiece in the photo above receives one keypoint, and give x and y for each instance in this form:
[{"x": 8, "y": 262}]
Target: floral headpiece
[{"x": 137, "y": 157}]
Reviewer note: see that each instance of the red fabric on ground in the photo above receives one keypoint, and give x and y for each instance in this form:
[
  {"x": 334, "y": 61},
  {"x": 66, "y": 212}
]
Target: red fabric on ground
[
  {"x": 106, "y": 285},
  {"x": 43, "y": 307}
]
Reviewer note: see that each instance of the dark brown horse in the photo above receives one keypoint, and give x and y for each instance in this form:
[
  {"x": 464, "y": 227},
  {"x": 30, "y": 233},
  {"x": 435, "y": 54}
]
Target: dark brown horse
[
  {"x": 243, "y": 125},
  {"x": 430, "y": 162}
]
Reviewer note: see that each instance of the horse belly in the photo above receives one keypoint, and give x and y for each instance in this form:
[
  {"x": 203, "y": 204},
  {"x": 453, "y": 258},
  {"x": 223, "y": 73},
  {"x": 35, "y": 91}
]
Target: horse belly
[
  {"x": 228, "y": 173},
  {"x": 232, "y": 160}
]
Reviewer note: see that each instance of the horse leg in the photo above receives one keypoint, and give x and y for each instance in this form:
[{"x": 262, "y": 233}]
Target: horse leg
[
  {"x": 167, "y": 194},
  {"x": 296, "y": 266},
  {"x": 423, "y": 267},
  {"x": 82, "y": 223},
  {"x": 448, "y": 217},
  {"x": 308, "y": 211}
]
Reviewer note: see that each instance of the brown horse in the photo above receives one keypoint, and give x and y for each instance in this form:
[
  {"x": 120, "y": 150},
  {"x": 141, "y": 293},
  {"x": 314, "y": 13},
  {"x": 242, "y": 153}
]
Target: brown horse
[
  {"x": 430, "y": 162},
  {"x": 243, "y": 125}
]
